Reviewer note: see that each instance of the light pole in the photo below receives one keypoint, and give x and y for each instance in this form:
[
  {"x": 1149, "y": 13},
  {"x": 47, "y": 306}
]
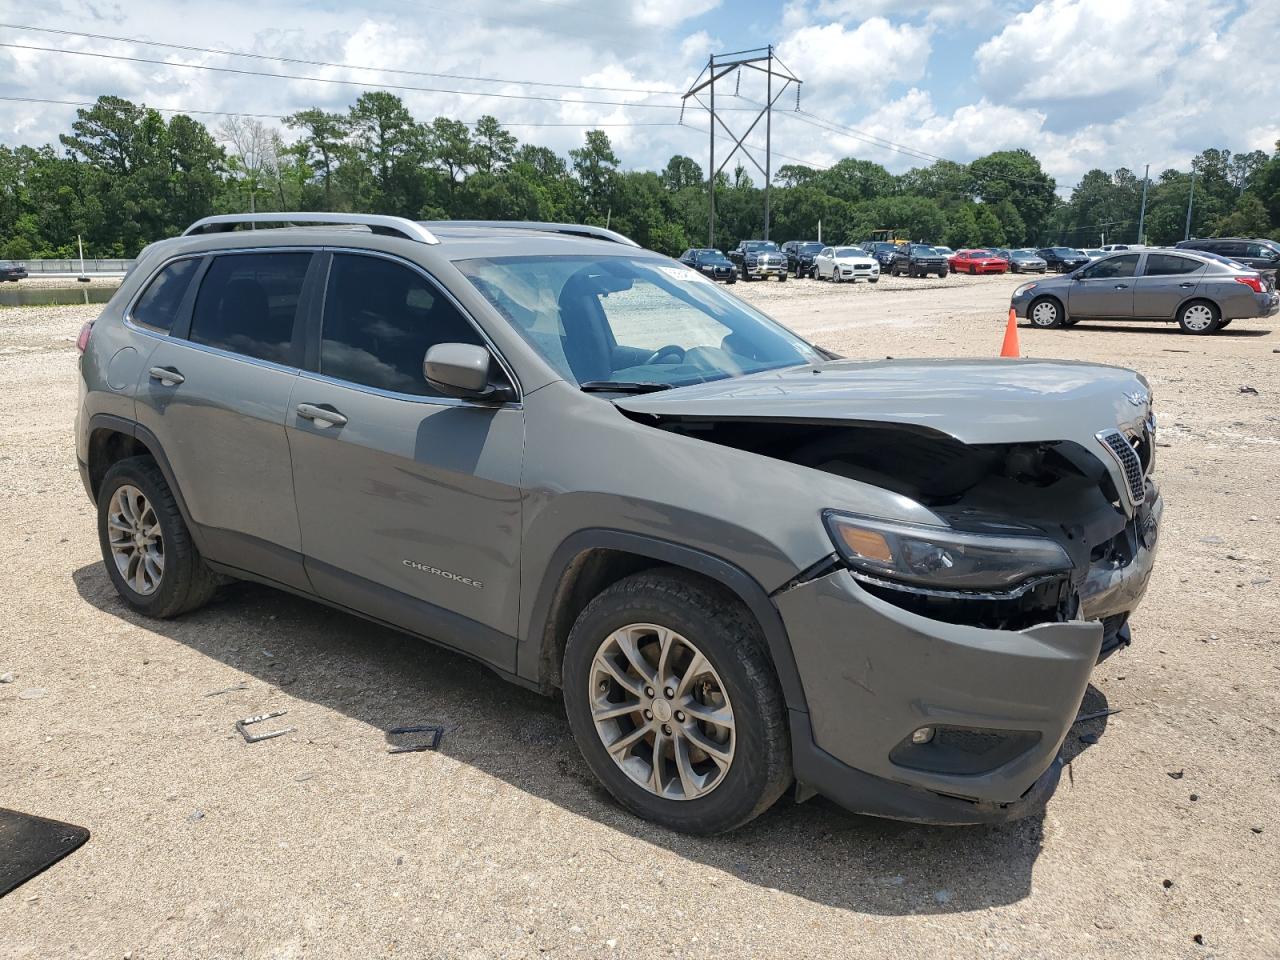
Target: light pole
[
  {"x": 1186, "y": 235},
  {"x": 1142, "y": 213}
]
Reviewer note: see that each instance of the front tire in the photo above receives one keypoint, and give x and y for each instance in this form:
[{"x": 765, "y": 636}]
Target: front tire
[
  {"x": 1045, "y": 313},
  {"x": 1199, "y": 317},
  {"x": 146, "y": 546},
  {"x": 674, "y": 703}
]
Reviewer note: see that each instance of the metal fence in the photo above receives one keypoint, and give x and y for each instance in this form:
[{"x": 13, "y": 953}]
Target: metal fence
[{"x": 92, "y": 268}]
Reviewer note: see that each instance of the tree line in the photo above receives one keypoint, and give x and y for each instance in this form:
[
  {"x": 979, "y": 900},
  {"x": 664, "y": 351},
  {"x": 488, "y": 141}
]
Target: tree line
[{"x": 125, "y": 176}]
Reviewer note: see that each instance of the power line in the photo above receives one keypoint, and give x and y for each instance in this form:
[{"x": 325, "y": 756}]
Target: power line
[
  {"x": 341, "y": 83},
  {"x": 326, "y": 63},
  {"x": 277, "y": 116}
]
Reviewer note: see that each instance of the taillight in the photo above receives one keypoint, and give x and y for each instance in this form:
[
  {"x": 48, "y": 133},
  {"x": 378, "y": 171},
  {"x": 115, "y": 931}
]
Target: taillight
[
  {"x": 82, "y": 341},
  {"x": 1253, "y": 283}
]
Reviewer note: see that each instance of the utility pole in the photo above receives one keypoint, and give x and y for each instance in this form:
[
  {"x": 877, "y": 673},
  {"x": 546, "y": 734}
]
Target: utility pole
[
  {"x": 1142, "y": 213},
  {"x": 711, "y": 193},
  {"x": 719, "y": 66},
  {"x": 1190, "y": 199},
  {"x": 768, "y": 138}
]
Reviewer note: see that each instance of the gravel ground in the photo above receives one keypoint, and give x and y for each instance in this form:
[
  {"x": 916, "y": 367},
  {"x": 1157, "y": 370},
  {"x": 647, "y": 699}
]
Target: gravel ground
[{"x": 320, "y": 844}]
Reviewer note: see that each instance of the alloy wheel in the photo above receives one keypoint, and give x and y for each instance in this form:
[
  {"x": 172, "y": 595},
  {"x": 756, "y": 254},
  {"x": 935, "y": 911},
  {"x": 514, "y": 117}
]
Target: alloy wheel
[
  {"x": 137, "y": 542},
  {"x": 661, "y": 711}
]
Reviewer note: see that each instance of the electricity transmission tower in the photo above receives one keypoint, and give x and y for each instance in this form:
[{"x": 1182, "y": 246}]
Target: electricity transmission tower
[{"x": 720, "y": 65}]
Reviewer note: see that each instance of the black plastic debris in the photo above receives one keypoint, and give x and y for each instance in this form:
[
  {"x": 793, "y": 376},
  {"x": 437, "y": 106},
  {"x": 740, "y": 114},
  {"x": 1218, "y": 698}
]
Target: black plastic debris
[
  {"x": 415, "y": 739},
  {"x": 30, "y": 845},
  {"x": 1088, "y": 738},
  {"x": 1175, "y": 774}
]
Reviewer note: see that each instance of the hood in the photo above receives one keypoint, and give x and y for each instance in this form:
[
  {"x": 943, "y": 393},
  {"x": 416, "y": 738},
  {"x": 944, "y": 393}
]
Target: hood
[{"x": 974, "y": 401}]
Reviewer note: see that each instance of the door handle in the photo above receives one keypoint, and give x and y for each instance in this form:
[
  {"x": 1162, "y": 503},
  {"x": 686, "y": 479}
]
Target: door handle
[
  {"x": 1122, "y": 286},
  {"x": 321, "y": 416},
  {"x": 1186, "y": 286},
  {"x": 167, "y": 376}
]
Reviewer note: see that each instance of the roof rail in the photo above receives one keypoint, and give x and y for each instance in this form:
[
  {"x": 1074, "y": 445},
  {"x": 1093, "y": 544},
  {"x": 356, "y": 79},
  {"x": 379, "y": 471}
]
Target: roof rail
[
  {"x": 573, "y": 229},
  {"x": 377, "y": 223}
]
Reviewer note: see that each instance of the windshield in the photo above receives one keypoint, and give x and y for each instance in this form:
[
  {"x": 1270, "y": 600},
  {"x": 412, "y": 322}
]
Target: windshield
[
  {"x": 809, "y": 247},
  {"x": 759, "y": 245},
  {"x": 1067, "y": 252},
  {"x": 632, "y": 320},
  {"x": 920, "y": 250},
  {"x": 850, "y": 252}
]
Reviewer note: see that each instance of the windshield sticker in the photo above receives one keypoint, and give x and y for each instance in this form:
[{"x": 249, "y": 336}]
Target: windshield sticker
[{"x": 684, "y": 274}]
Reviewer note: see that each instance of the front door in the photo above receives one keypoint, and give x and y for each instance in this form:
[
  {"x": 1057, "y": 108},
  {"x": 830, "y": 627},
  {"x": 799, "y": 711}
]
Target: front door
[
  {"x": 1167, "y": 281},
  {"x": 1104, "y": 289},
  {"x": 215, "y": 395},
  {"x": 409, "y": 501}
]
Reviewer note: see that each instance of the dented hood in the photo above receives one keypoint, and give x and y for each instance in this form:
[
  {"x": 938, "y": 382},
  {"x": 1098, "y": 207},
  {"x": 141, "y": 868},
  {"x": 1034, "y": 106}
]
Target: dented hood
[{"x": 975, "y": 401}]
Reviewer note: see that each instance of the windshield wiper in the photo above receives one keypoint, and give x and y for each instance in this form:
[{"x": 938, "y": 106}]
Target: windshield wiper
[{"x": 621, "y": 386}]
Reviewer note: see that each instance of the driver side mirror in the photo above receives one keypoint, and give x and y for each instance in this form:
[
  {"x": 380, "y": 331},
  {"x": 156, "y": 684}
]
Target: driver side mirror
[{"x": 462, "y": 370}]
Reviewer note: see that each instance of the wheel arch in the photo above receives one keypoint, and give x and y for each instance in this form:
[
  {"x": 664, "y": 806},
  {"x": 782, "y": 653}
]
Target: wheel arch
[
  {"x": 112, "y": 439},
  {"x": 591, "y": 560},
  {"x": 1062, "y": 304}
]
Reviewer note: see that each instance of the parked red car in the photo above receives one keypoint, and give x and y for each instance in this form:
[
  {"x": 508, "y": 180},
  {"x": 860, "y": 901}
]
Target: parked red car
[{"x": 977, "y": 261}]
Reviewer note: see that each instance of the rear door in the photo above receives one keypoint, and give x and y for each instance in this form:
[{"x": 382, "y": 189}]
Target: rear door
[
  {"x": 1104, "y": 289},
  {"x": 215, "y": 391},
  {"x": 409, "y": 501},
  {"x": 1167, "y": 280}
]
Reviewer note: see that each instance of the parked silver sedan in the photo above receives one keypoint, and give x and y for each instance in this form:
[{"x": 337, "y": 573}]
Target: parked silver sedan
[{"x": 1201, "y": 294}]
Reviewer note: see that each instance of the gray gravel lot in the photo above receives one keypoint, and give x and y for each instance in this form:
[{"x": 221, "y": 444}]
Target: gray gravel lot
[{"x": 320, "y": 844}]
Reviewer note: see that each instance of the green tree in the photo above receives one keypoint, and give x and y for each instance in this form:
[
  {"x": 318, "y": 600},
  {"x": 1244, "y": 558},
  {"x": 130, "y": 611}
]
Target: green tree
[
  {"x": 596, "y": 167},
  {"x": 493, "y": 145},
  {"x": 323, "y": 136}
]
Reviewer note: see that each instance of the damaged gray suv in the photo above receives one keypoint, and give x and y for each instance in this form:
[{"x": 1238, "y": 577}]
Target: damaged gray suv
[{"x": 743, "y": 562}]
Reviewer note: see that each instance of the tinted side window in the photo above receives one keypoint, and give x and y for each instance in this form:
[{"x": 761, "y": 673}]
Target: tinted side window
[
  {"x": 380, "y": 318},
  {"x": 1113, "y": 267},
  {"x": 158, "y": 306},
  {"x": 1165, "y": 265},
  {"x": 247, "y": 304}
]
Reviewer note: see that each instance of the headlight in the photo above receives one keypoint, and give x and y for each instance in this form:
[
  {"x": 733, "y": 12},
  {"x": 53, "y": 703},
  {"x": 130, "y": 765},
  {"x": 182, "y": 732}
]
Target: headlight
[
  {"x": 925, "y": 558},
  {"x": 1025, "y": 288}
]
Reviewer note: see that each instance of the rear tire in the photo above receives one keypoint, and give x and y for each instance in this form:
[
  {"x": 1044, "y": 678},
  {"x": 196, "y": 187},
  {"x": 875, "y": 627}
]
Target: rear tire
[
  {"x": 694, "y": 793},
  {"x": 1199, "y": 317},
  {"x": 139, "y": 523}
]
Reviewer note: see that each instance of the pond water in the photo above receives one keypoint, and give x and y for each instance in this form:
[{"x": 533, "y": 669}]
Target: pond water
[{"x": 19, "y": 295}]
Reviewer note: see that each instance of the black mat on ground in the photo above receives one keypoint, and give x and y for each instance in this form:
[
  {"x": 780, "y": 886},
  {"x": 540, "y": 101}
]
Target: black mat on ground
[{"x": 30, "y": 844}]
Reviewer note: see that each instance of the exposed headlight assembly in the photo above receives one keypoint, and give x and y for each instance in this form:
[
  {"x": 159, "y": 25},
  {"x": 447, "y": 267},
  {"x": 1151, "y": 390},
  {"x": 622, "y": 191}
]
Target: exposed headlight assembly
[
  {"x": 926, "y": 559},
  {"x": 1025, "y": 288}
]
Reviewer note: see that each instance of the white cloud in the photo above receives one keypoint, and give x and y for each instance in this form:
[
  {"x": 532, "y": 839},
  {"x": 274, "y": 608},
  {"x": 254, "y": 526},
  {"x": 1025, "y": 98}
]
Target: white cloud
[
  {"x": 1093, "y": 48},
  {"x": 830, "y": 55},
  {"x": 670, "y": 12}
]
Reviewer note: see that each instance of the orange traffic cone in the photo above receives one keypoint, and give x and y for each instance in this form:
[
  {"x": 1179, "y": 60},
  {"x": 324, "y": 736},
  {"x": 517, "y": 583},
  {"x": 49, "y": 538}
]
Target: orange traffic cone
[{"x": 1010, "y": 347}]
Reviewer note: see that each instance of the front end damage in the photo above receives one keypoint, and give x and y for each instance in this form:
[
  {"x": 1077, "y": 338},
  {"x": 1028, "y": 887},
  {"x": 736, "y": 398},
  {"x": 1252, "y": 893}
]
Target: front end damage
[{"x": 930, "y": 698}]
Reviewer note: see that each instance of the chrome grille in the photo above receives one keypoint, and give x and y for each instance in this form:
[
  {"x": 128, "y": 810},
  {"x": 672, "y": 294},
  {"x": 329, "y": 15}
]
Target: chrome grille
[{"x": 1122, "y": 452}]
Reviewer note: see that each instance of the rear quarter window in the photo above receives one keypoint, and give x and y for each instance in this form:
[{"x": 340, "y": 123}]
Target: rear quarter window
[{"x": 159, "y": 303}]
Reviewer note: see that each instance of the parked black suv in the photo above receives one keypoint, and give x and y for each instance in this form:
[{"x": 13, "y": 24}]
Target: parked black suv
[
  {"x": 711, "y": 262},
  {"x": 1062, "y": 259},
  {"x": 759, "y": 258},
  {"x": 800, "y": 254},
  {"x": 918, "y": 260},
  {"x": 1262, "y": 255}
]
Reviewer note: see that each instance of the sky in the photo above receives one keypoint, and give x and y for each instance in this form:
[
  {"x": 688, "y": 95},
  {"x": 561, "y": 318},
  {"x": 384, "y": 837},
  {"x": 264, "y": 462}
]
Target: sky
[{"x": 1079, "y": 83}]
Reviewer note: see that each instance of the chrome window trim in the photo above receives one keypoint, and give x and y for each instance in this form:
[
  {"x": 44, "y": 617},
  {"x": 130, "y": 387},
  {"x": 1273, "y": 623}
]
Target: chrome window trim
[{"x": 409, "y": 397}]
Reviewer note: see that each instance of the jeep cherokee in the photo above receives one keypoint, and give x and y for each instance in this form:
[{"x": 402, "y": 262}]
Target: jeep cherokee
[{"x": 743, "y": 561}]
